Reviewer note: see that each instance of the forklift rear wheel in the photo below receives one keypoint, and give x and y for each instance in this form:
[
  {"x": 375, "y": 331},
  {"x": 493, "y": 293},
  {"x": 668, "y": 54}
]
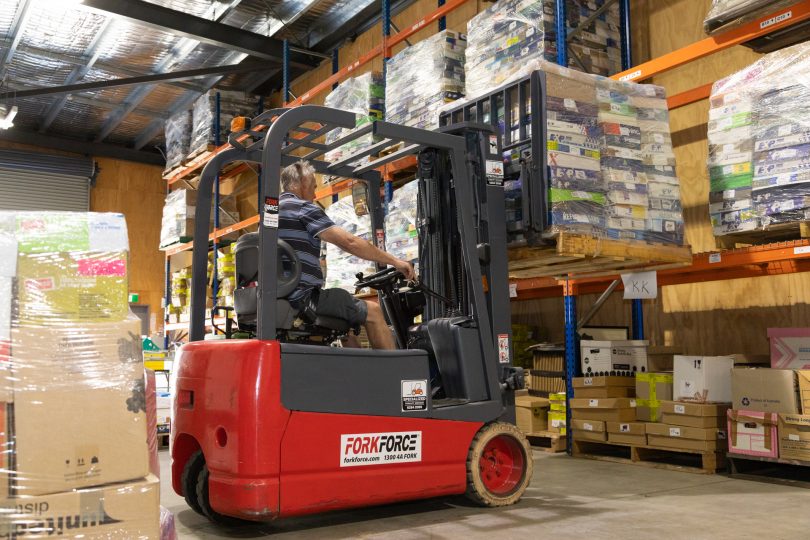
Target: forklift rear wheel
[
  {"x": 499, "y": 465},
  {"x": 189, "y": 480},
  {"x": 205, "y": 502}
]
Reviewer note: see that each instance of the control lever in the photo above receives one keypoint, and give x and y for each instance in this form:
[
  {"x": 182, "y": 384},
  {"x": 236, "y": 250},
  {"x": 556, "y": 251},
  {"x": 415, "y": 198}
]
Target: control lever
[{"x": 513, "y": 378}]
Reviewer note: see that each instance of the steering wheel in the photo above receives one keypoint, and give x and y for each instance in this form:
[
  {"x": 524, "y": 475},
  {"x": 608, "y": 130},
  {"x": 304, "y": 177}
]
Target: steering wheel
[{"x": 378, "y": 280}]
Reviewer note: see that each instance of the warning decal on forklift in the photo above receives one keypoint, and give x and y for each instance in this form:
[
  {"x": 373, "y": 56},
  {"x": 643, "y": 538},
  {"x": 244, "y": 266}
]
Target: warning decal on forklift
[
  {"x": 494, "y": 170},
  {"x": 271, "y": 212},
  {"x": 503, "y": 348},
  {"x": 379, "y": 448},
  {"x": 414, "y": 395}
]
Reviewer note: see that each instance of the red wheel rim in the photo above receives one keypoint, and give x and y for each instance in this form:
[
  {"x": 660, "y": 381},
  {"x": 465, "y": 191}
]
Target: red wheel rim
[{"x": 502, "y": 465}]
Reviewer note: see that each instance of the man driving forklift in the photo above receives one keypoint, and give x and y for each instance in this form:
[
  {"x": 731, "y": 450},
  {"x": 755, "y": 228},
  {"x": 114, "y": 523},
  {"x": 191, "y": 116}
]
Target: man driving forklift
[{"x": 303, "y": 225}]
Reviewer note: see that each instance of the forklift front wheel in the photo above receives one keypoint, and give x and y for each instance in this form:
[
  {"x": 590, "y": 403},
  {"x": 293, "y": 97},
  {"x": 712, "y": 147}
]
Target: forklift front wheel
[{"x": 499, "y": 465}]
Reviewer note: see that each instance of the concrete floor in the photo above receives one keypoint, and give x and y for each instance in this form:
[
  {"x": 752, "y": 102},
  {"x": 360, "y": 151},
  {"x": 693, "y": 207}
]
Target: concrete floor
[{"x": 569, "y": 498}]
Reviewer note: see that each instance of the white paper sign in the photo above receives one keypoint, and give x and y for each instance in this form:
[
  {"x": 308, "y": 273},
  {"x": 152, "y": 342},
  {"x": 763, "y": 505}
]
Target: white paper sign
[
  {"x": 639, "y": 285},
  {"x": 513, "y": 290}
]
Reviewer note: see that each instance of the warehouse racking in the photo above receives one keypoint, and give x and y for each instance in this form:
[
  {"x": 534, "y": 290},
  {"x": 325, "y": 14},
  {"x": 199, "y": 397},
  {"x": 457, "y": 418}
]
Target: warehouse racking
[{"x": 769, "y": 259}]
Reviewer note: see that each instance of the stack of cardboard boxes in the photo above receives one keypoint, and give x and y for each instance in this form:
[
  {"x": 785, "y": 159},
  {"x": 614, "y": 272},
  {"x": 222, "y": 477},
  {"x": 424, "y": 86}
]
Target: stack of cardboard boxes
[
  {"x": 557, "y": 413},
  {"x": 603, "y": 406},
  {"x": 73, "y": 441}
]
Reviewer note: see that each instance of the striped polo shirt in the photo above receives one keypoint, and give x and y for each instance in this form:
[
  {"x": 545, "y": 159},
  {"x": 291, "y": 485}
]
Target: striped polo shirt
[{"x": 300, "y": 224}]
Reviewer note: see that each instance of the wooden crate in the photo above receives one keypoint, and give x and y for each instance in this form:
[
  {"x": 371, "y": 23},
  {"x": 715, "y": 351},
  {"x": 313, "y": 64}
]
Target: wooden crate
[
  {"x": 581, "y": 255},
  {"x": 775, "y": 233},
  {"x": 658, "y": 457}
]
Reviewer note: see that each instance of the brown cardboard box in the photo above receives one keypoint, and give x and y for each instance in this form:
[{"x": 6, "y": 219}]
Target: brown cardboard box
[
  {"x": 130, "y": 510},
  {"x": 698, "y": 415},
  {"x": 589, "y": 430},
  {"x": 610, "y": 409},
  {"x": 803, "y": 377},
  {"x": 651, "y": 390},
  {"x": 531, "y": 414},
  {"x": 794, "y": 436},
  {"x": 627, "y": 432},
  {"x": 765, "y": 390},
  {"x": 687, "y": 438},
  {"x": 604, "y": 387}
]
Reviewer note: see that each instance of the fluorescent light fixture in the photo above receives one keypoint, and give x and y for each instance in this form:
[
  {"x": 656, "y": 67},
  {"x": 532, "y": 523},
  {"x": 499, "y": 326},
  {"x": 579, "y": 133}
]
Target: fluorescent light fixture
[{"x": 7, "y": 116}]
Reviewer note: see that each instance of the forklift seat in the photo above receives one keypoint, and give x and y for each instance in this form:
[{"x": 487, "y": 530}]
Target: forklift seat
[{"x": 246, "y": 256}]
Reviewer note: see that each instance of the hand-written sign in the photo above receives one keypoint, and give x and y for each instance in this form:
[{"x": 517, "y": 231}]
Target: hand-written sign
[{"x": 640, "y": 285}]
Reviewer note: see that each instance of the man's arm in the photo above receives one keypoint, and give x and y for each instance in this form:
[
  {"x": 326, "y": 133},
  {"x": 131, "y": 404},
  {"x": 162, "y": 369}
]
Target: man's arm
[{"x": 365, "y": 250}]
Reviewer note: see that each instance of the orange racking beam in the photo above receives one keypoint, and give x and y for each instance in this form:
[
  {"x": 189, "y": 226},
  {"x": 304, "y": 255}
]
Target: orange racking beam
[
  {"x": 764, "y": 25},
  {"x": 218, "y": 233},
  {"x": 690, "y": 96}
]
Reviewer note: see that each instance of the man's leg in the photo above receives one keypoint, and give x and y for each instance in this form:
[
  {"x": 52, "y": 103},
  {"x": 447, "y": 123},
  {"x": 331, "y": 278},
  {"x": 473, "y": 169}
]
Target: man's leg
[{"x": 377, "y": 329}]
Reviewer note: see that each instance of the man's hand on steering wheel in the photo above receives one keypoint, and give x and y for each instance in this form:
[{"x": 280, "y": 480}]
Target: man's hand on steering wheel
[{"x": 406, "y": 269}]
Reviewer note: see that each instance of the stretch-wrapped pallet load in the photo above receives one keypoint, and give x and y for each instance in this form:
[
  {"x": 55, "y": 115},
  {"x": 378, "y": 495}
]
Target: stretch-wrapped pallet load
[
  {"x": 510, "y": 33},
  {"x": 204, "y": 114},
  {"x": 363, "y": 95},
  {"x": 726, "y": 14},
  {"x": 74, "y": 459},
  {"x": 177, "y": 132},
  {"x": 423, "y": 77},
  {"x": 342, "y": 266},
  {"x": 759, "y": 144},
  {"x": 401, "y": 234},
  {"x": 179, "y": 208}
]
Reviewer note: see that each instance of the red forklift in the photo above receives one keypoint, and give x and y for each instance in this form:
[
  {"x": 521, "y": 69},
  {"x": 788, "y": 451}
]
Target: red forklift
[{"x": 283, "y": 425}]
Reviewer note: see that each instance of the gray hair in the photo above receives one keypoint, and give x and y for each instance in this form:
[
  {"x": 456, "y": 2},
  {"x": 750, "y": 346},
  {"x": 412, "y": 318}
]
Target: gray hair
[{"x": 293, "y": 175}]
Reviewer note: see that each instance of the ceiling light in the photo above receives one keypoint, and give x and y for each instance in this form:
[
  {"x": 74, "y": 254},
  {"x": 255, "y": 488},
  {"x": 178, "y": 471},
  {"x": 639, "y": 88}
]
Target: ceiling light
[{"x": 7, "y": 116}]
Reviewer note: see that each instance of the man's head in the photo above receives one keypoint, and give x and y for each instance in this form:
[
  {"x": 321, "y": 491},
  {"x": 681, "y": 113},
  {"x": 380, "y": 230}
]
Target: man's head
[{"x": 299, "y": 178}]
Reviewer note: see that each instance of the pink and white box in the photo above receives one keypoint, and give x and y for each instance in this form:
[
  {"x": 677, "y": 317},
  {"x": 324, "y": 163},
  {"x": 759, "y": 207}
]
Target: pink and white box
[
  {"x": 753, "y": 433},
  {"x": 790, "y": 348}
]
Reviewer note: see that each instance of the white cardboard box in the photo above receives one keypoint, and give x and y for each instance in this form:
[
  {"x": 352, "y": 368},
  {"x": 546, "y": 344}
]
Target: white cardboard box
[
  {"x": 613, "y": 357},
  {"x": 703, "y": 378}
]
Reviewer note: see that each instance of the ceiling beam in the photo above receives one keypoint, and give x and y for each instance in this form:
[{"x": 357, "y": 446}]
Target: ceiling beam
[
  {"x": 15, "y": 34},
  {"x": 172, "y": 75},
  {"x": 200, "y": 29},
  {"x": 81, "y": 147},
  {"x": 92, "y": 53}
]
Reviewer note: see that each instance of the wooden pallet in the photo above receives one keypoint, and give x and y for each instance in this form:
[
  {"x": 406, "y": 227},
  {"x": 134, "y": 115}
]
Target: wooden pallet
[
  {"x": 790, "y": 472},
  {"x": 581, "y": 255},
  {"x": 547, "y": 441},
  {"x": 658, "y": 457},
  {"x": 774, "y": 233}
]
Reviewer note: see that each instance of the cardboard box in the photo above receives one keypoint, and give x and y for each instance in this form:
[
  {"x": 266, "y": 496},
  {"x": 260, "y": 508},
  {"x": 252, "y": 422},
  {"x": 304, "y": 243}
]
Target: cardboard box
[
  {"x": 701, "y": 415},
  {"x": 803, "y": 378},
  {"x": 613, "y": 357},
  {"x": 531, "y": 414},
  {"x": 627, "y": 432},
  {"x": 556, "y": 422},
  {"x": 703, "y": 378},
  {"x": 765, "y": 390},
  {"x": 790, "y": 348},
  {"x": 130, "y": 510},
  {"x": 794, "y": 436},
  {"x": 588, "y": 430},
  {"x": 752, "y": 433},
  {"x": 604, "y": 387},
  {"x": 686, "y": 438},
  {"x": 651, "y": 390},
  {"x": 610, "y": 409}
]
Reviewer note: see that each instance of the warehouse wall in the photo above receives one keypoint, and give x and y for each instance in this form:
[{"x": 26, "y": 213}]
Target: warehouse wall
[{"x": 137, "y": 191}]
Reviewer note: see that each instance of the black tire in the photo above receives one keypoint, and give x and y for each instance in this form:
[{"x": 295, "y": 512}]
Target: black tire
[
  {"x": 191, "y": 471},
  {"x": 205, "y": 503},
  {"x": 511, "y": 469}
]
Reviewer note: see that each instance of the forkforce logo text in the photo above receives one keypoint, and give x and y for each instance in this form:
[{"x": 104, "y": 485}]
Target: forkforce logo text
[{"x": 380, "y": 448}]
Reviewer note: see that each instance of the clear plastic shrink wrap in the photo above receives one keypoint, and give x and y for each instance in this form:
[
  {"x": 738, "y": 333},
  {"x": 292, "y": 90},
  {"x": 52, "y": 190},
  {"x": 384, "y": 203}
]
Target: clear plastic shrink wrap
[
  {"x": 342, "y": 266},
  {"x": 726, "y": 14},
  {"x": 510, "y": 33},
  {"x": 610, "y": 162},
  {"x": 74, "y": 461},
  {"x": 203, "y": 115},
  {"x": 363, "y": 95},
  {"x": 423, "y": 77},
  {"x": 759, "y": 144},
  {"x": 401, "y": 235},
  {"x": 177, "y": 131},
  {"x": 177, "y": 224}
]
